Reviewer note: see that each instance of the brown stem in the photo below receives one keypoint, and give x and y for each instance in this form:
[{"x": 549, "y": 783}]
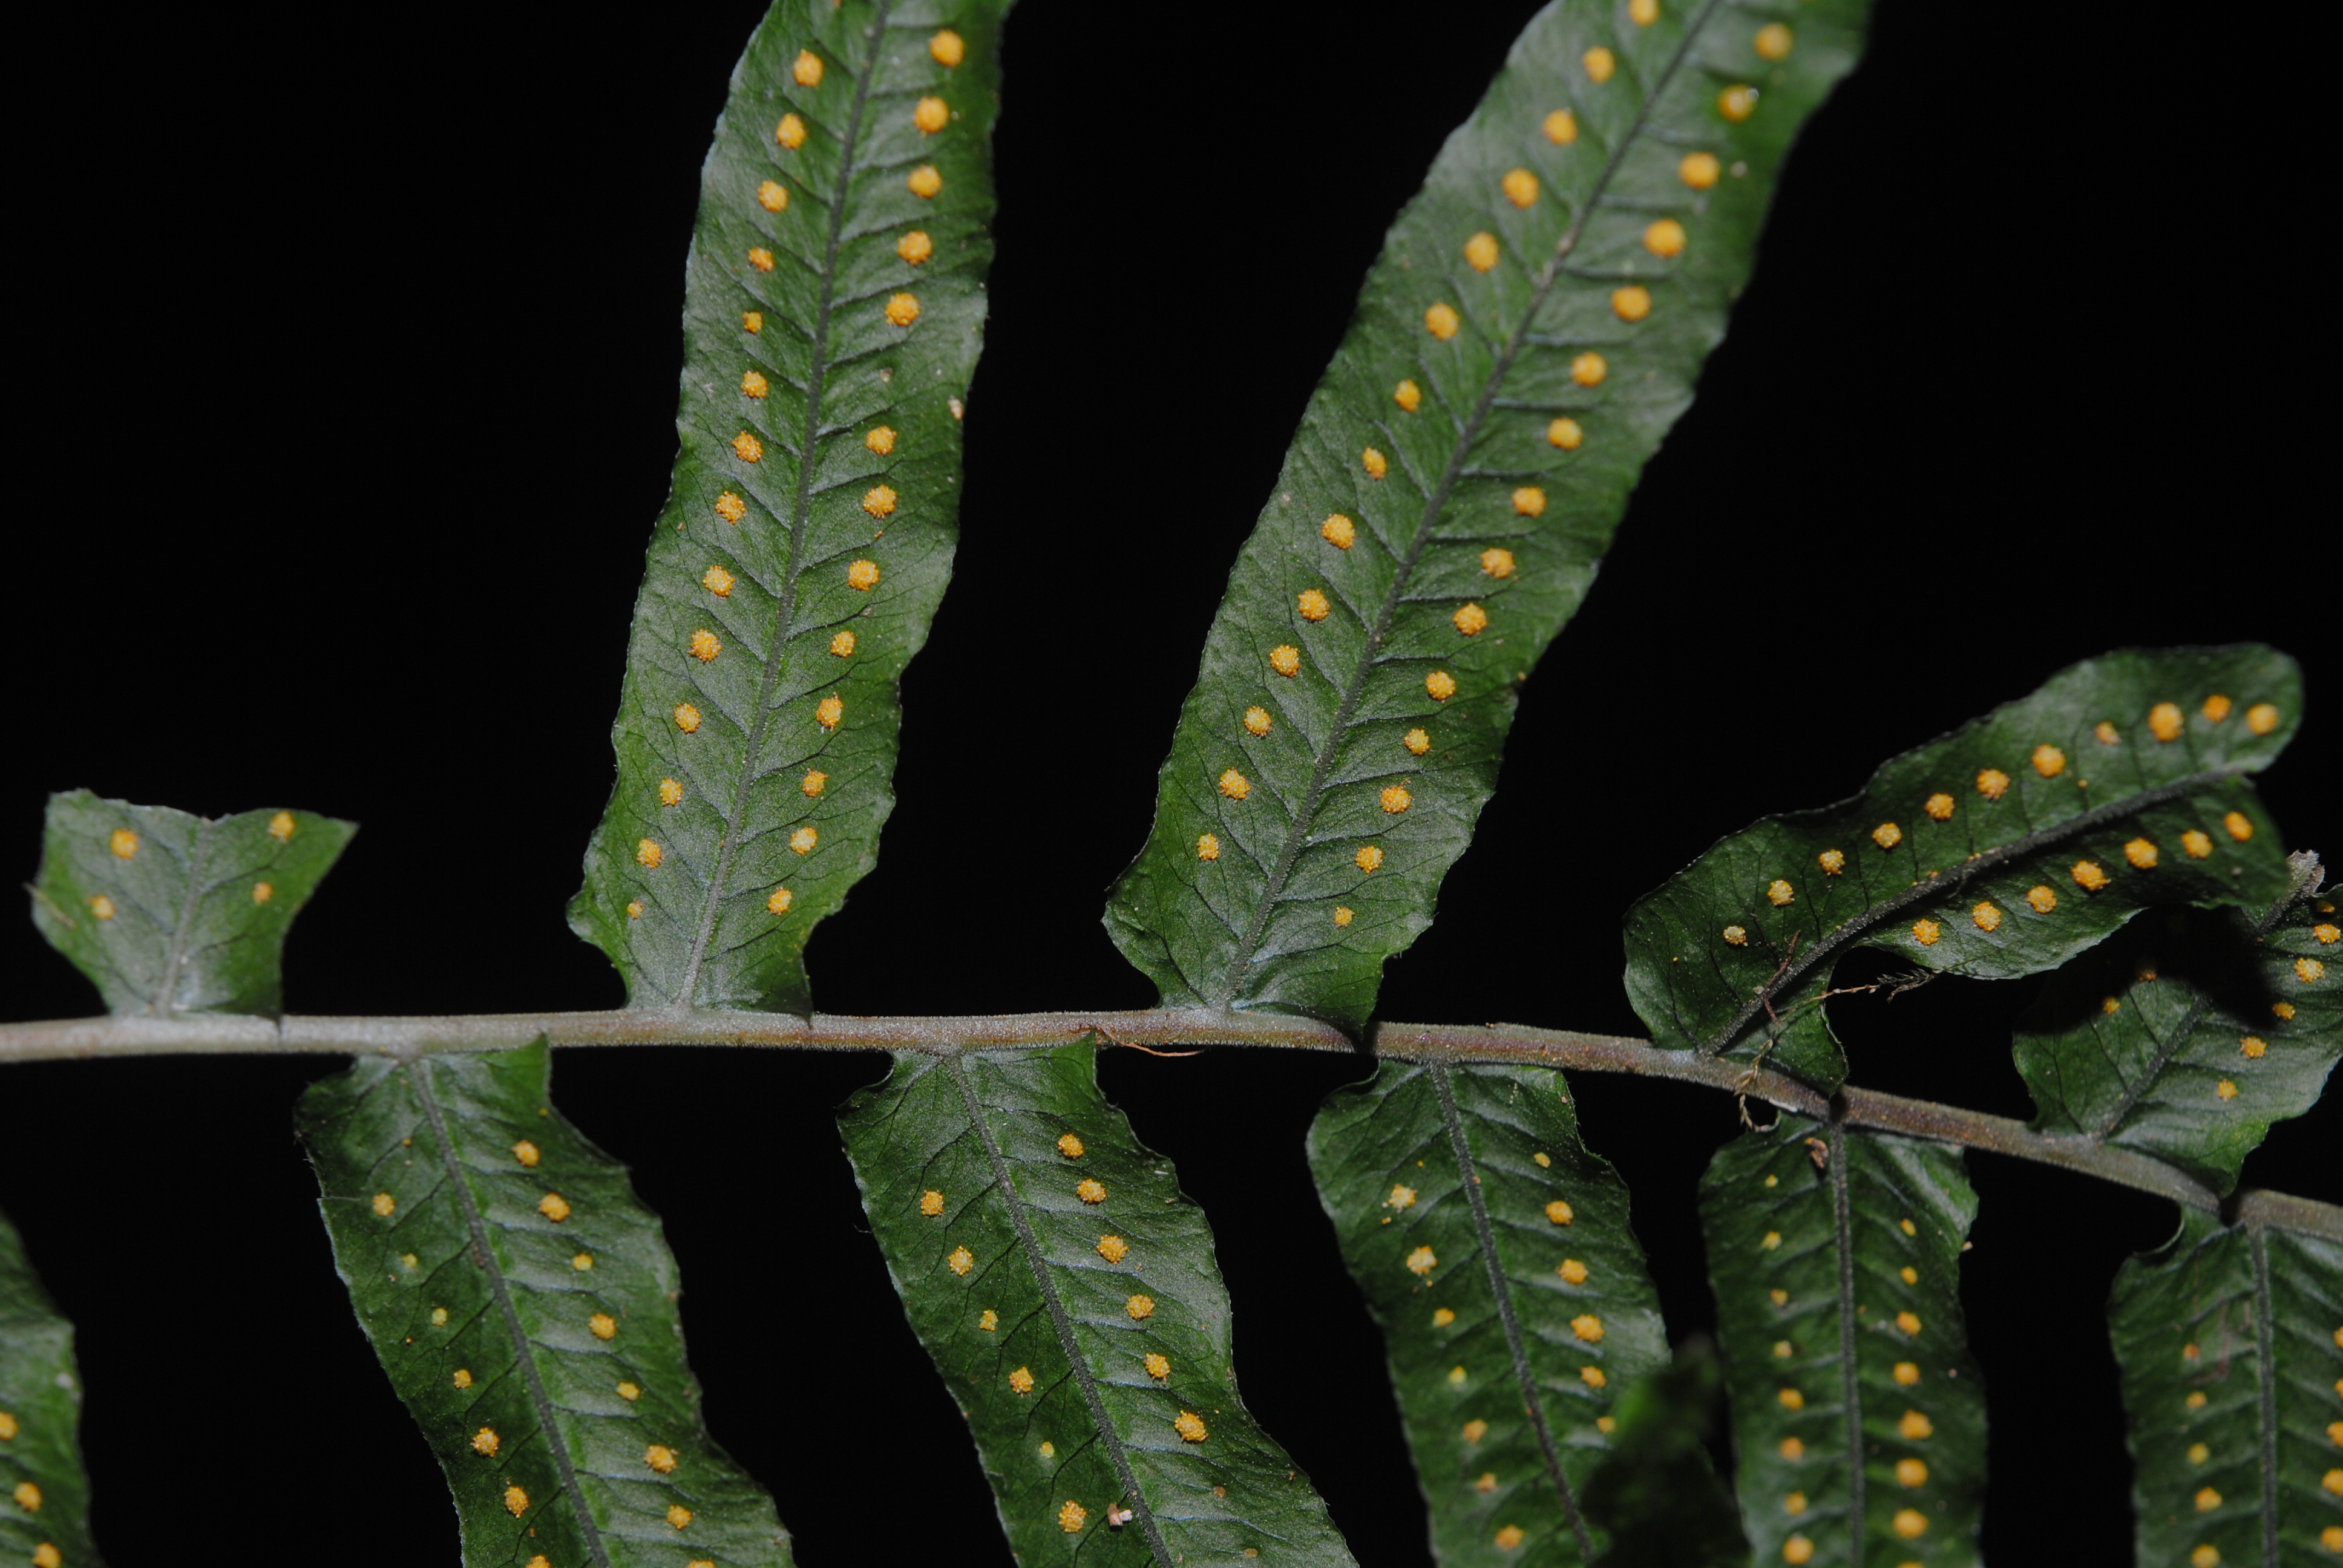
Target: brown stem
[{"x": 201, "y": 1034}]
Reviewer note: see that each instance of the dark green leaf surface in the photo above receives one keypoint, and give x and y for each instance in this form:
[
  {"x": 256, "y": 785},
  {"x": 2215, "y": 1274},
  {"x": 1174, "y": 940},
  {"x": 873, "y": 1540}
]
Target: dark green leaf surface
[
  {"x": 1495, "y": 1253},
  {"x": 2231, "y": 1344},
  {"x": 1656, "y": 1493},
  {"x": 1475, "y": 527},
  {"x": 43, "y": 1492},
  {"x": 2000, "y": 850},
  {"x": 2189, "y": 1033},
  {"x": 1069, "y": 1297},
  {"x": 523, "y": 1302},
  {"x": 756, "y": 730},
  {"x": 168, "y": 912},
  {"x": 1857, "y": 1409}
]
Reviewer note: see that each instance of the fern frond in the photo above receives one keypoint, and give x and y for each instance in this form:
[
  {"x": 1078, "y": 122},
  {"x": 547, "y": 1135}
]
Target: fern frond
[
  {"x": 522, "y": 1301},
  {"x": 1069, "y": 1297},
  {"x": 167, "y": 913},
  {"x": 1533, "y": 328},
  {"x": 834, "y": 303},
  {"x": 1495, "y": 1253},
  {"x": 2230, "y": 1337},
  {"x": 2189, "y": 1034},
  {"x": 2001, "y": 849},
  {"x": 44, "y": 1490},
  {"x": 1858, "y": 1415}
]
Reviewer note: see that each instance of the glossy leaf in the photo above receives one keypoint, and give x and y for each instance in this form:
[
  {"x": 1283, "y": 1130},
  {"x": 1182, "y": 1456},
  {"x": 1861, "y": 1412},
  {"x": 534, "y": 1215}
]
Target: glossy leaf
[
  {"x": 167, "y": 913},
  {"x": 1857, "y": 1409},
  {"x": 2230, "y": 1339},
  {"x": 2188, "y": 1034},
  {"x": 834, "y": 301},
  {"x": 523, "y": 1302},
  {"x": 2001, "y": 849},
  {"x": 1494, "y": 1251},
  {"x": 1068, "y": 1295},
  {"x": 43, "y": 1491},
  {"x": 1534, "y": 325}
]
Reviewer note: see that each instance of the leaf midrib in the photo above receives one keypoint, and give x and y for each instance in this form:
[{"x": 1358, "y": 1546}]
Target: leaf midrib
[
  {"x": 1850, "y": 1383},
  {"x": 178, "y": 956},
  {"x": 1038, "y": 1263},
  {"x": 777, "y": 659},
  {"x": 2266, "y": 1353},
  {"x": 1322, "y": 765},
  {"x": 2170, "y": 1046},
  {"x": 1859, "y": 925},
  {"x": 524, "y": 1350},
  {"x": 1502, "y": 1289}
]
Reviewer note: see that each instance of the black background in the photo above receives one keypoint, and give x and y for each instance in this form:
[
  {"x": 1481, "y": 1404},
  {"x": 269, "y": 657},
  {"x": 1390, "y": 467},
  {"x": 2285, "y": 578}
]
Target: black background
[{"x": 346, "y": 357}]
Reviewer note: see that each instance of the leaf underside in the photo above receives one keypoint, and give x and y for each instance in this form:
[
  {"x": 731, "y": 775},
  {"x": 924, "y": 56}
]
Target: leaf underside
[
  {"x": 523, "y": 1302},
  {"x": 782, "y": 596},
  {"x": 44, "y": 1490},
  {"x": 1044, "y": 1301},
  {"x": 167, "y": 913},
  {"x": 2189, "y": 1032},
  {"x": 2230, "y": 1340},
  {"x": 1494, "y": 1252},
  {"x": 2000, "y": 850},
  {"x": 1283, "y": 870},
  {"x": 1811, "y": 1229},
  {"x": 1657, "y": 1494}
]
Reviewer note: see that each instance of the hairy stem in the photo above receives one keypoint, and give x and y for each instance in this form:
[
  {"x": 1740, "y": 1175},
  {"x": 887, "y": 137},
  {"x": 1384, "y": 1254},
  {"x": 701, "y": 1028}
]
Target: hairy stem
[{"x": 213, "y": 1034}]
